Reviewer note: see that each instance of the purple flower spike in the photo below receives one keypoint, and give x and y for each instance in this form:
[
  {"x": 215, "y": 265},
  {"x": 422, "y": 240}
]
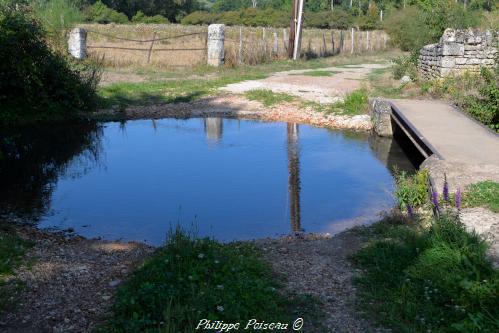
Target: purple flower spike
[
  {"x": 458, "y": 199},
  {"x": 434, "y": 198},
  {"x": 446, "y": 189},
  {"x": 410, "y": 212}
]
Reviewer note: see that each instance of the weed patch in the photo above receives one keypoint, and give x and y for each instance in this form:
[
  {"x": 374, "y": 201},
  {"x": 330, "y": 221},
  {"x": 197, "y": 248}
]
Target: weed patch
[
  {"x": 484, "y": 194},
  {"x": 436, "y": 279},
  {"x": 268, "y": 97},
  {"x": 190, "y": 279}
]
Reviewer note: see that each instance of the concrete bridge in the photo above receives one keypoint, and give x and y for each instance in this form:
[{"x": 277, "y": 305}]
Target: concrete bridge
[{"x": 448, "y": 140}]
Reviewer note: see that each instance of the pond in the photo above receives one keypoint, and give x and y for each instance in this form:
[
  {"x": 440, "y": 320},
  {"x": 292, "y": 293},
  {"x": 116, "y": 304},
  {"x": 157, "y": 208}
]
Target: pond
[{"x": 224, "y": 178}]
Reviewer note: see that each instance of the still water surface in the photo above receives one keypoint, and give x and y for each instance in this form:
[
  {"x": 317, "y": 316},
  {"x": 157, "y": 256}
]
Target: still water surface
[{"x": 230, "y": 179}]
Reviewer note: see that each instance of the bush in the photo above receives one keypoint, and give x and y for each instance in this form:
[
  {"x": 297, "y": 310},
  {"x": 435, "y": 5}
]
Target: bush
[
  {"x": 413, "y": 27},
  {"x": 100, "y": 13},
  {"x": 35, "y": 82},
  {"x": 140, "y": 17},
  {"x": 404, "y": 65},
  {"x": 412, "y": 190},
  {"x": 485, "y": 107}
]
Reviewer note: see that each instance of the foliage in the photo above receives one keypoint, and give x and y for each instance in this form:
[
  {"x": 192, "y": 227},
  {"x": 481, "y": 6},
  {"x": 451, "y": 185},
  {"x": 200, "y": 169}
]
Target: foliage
[
  {"x": 57, "y": 18},
  {"x": 404, "y": 65},
  {"x": 477, "y": 94},
  {"x": 140, "y": 17},
  {"x": 37, "y": 83},
  {"x": 12, "y": 250},
  {"x": 188, "y": 279},
  {"x": 268, "y": 97},
  {"x": 485, "y": 107},
  {"x": 413, "y": 27},
  {"x": 172, "y": 10},
  {"x": 412, "y": 190},
  {"x": 100, "y": 13},
  {"x": 436, "y": 279},
  {"x": 485, "y": 194}
]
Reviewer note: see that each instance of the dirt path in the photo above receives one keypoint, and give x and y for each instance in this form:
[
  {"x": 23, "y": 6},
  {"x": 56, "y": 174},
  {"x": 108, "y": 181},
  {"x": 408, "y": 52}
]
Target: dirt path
[
  {"x": 71, "y": 283},
  {"x": 320, "y": 267},
  {"x": 312, "y": 84}
]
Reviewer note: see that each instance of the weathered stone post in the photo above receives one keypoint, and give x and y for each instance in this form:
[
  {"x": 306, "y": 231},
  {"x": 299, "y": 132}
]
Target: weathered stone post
[
  {"x": 77, "y": 43},
  {"x": 381, "y": 113},
  {"x": 216, "y": 38}
]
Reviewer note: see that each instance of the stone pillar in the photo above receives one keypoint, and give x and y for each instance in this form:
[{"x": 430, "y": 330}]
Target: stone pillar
[
  {"x": 216, "y": 38},
  {"x": 77, "y": 43},
  {"x": 381, "y": 113}
]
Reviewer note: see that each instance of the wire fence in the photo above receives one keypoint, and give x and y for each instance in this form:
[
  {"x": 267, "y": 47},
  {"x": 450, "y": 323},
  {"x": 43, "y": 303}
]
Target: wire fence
[{"x": 117, "y": 50}]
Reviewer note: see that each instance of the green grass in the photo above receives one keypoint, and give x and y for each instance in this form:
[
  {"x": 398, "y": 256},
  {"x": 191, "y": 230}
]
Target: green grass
[
  {"x": 485, "y": 194},
  {"x": 268, "y": 97},
  {"x": 355, "y": 103},
  {"x": 434, "y": 279},
  {"x": 12, "y": 250},
  {"x": 318, "y": 73},
  {"x": 189, "y": 279}
]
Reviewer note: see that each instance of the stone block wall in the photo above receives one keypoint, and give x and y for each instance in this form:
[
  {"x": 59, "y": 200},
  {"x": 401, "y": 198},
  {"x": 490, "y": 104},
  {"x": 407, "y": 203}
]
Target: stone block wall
[{"x": 458, "y": 51}]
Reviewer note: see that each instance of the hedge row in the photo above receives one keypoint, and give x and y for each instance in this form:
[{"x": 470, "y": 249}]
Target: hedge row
[{"x": 338, "y": 19}]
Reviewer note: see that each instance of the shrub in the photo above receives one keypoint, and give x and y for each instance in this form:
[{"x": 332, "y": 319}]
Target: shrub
[
  {"x": 404, "y": 65},
  {"x": 140, "y": 17},
  {"x": 35, "y": 82},
  {"x": 485, "y": 107},
  {"x": 413, "y": 27},
  {"x": 412, "y": 190},
  {"x": 57, "y": 18},
  {"x": 100, "y": 13}
]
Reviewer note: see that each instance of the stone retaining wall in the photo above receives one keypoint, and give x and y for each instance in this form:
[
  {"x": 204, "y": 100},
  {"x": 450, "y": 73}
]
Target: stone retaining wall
[{"x": 458, "y": 51}]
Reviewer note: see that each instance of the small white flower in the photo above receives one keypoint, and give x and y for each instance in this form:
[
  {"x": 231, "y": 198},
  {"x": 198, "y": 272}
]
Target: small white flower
[
  {"x": 201, "y": 256},
  {"x": 190, "y": 277},
  {"x": 217, "y": 262},
  {"x": 220, "y": 286},
  {"x": 220, "y": 308}
]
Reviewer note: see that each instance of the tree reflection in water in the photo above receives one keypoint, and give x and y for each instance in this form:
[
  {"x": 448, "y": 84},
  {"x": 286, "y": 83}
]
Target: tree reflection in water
[{"x": 32, "y": 158}]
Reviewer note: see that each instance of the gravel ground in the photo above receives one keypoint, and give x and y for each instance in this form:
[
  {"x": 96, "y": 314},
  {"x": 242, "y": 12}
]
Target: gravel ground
[
  {"x": 486, "y": 223},
  {"x": 320, "y": 267},
  {"x": 71, "y": 283}
]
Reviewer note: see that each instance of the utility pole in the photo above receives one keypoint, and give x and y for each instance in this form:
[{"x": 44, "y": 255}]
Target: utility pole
[
  {"x": 298, "y": 33},
  {"x": 295, "y": 30},
  {"x": 292, "y": 29}
]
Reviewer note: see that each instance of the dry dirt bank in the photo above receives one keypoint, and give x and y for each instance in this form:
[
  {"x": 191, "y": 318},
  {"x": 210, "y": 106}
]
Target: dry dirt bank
[{"x": 237, "y": 106}]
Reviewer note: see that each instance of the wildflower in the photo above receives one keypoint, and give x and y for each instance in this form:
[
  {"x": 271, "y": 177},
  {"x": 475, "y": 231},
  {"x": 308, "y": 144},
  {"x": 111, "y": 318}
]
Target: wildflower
[
  {"x": 434, "y": 197},
  {"x": 446, "y": 189},
  {"x": 220, "y": 286},
  {"x": 410, "y": 212},
  {"x": 220, "y": 308},
  {"x": 458, "y": 199},
  {"x": 217, "y": 262},
  {"x": 201, "y": 256}
]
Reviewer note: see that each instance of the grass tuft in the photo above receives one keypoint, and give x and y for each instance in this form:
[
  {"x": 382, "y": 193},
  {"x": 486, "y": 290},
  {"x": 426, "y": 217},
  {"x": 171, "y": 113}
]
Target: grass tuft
[
  {"x": 318, "y": 73},
  {"x": 268, "y": 97},
  {"x": 485, "y": 194},
  {"x": 355, "y": 103},
  {"x": 12, "y": 250}
]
